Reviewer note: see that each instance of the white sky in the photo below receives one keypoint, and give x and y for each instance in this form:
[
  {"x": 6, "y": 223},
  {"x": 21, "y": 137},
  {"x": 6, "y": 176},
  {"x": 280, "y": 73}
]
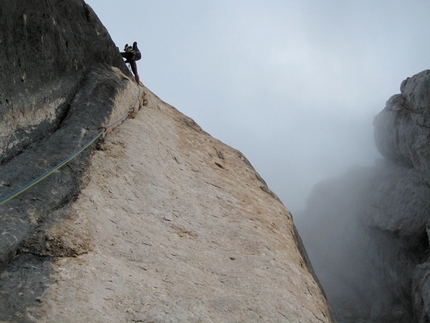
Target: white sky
[{"x": 292, "y": 84}]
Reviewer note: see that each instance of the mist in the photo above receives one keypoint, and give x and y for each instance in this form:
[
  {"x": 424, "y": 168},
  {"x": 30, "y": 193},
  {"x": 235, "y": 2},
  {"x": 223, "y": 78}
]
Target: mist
[{"x": 294, "y": 85}]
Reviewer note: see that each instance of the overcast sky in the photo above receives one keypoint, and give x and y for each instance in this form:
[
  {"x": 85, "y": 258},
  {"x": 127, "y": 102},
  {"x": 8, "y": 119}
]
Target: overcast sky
[{"x": 294, "y": 85}]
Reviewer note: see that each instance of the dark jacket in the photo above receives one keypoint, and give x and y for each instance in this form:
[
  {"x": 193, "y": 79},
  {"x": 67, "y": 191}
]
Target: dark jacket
[{"x": 136, "y": 52}]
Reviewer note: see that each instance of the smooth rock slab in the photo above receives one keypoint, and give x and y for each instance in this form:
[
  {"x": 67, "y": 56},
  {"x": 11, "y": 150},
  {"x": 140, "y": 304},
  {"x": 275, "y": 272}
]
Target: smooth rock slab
[{"x": 181, "y": 229}]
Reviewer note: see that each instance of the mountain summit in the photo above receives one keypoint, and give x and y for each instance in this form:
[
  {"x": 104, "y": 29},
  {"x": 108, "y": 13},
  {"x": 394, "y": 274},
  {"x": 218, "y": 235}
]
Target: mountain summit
[{"x": 156, "y": 221}]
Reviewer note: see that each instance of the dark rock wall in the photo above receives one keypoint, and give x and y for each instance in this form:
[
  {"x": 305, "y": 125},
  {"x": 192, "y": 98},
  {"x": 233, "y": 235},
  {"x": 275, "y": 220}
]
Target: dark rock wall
[
  {"x": 46, "y": 47},
  {"x": 367, "y": 231},
  {"x": 58, "y": 84}
]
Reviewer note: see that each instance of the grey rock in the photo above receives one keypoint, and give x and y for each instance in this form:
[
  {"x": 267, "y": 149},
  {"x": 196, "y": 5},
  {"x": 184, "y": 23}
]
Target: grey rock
[
  {"x": 402, "y": 128},
  {"x": 421, "y": 292},
  {"x": 60, "y": 74},
  {"x": 367, "y": 231},
  {"x": 44, "y": 57}
]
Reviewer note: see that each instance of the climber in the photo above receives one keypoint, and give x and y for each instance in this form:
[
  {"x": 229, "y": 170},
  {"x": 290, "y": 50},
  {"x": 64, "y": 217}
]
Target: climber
[{"x": 132, "y": 54}]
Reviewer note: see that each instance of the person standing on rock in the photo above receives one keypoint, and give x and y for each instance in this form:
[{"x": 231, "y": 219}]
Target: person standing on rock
[{"x": 131, "y": 55}]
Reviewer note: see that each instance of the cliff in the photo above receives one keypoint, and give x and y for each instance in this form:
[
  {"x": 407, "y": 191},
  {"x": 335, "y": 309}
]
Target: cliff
[
  {"x": 367, "y": 231},
  {"x": 156, "y": 221}
]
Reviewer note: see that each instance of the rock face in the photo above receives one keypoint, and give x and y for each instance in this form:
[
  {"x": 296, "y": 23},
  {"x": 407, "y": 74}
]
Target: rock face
[
  {"x": 155, "y": 222},
  {"x": 180, "y": 228},
  {"x": 367, "y": 232},
  {"x": 57, "y": 87},
  {"x": 46, "y": 49}
]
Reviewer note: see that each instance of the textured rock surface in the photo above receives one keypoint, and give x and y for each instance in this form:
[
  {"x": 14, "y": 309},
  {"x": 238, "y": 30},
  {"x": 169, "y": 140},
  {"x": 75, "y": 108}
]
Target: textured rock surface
[
  {"x": 369, "y": 228},
  {"x": 91, "y": 108},
  {"x": 167, "y": 224},
  {"x": 402, "y": 128},
  {"x": 46, "y": 47},
  {"x": 58, "y": 83},
  {"x": 181, "y": 229},
  {"x": 26, "y": 221}
]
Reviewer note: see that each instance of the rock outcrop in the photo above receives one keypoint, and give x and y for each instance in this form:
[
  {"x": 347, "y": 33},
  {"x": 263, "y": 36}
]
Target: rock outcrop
[
  {"x": 155, "y": 222},
  {"x": 367, "y": 232}
]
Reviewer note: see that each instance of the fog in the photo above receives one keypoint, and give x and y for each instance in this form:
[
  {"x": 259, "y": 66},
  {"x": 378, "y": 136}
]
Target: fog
[{"x": 294, "y": 85}]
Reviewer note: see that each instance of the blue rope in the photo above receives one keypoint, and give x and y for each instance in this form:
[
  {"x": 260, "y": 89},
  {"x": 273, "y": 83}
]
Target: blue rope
[
  {"x": 47, "y": 173},
  {"x": 24, "y": 188}
]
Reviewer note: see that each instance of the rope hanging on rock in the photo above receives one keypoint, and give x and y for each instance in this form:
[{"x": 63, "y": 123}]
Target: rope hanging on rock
[{"x": 24, "y": 188}]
